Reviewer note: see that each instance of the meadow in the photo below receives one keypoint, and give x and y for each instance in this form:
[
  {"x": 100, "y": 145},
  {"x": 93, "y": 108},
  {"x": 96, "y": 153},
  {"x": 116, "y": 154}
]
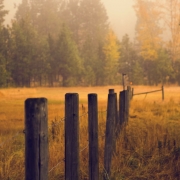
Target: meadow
[{"x": 148, "y": 148}]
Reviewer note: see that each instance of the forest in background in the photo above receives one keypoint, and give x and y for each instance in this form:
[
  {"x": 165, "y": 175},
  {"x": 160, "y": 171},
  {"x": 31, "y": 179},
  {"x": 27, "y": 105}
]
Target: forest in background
[{"x": 70, "y": 43}]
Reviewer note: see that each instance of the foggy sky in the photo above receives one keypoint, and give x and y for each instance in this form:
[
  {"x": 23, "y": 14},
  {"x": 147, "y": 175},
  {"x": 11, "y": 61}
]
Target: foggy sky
[{"x": 121, "y": 15}]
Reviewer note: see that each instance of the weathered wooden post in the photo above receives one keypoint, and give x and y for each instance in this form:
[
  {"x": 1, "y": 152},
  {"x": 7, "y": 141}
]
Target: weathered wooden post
[
  {"x": 36, "y": 139},
  {"x": 132, "y": 93},
  {"x": 111, "y": 91},
  {"x": 121, "y": 108},
  {"x": 123, "y": 81},
  {"x": 93, "y": 137},
  {"x": 163, "y": 93},
  {"x": 71, "y": 136},
  {"x": 129, "y": 92},
  {"x": 110, "y": 133},
  {"x": 127, "y": 102}
]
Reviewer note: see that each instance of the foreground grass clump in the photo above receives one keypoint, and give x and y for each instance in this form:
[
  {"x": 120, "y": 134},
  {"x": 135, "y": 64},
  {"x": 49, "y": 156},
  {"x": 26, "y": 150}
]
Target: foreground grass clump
[{"x": 147, "y": 148}]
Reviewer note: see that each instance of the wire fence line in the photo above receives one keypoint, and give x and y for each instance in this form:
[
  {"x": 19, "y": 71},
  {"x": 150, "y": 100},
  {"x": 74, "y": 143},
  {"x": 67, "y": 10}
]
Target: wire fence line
[
  {"x": 63, "y": 160},
  {"x": 62, "y": 120},
  {"x": 56, "y": 165},
  {"x": 55, "y": 123}
]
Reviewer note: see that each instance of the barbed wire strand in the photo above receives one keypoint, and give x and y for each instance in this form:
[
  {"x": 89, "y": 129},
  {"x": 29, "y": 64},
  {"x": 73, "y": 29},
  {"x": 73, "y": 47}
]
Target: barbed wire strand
[
  {"x": 84, "y": 114},
  {"x": 56, "y": 165},
  {"x": 84, "y": 147},
  {"x": 64, "y": 159},
  {"x": 54, "y": 124},
  {"x": 107, "y": 176}
]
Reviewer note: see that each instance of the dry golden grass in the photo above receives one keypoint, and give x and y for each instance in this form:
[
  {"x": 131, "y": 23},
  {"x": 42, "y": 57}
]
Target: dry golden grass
[{"x": 148, "y": 148}]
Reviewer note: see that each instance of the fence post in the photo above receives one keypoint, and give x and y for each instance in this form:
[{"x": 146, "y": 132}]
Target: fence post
[
  {"x": 163, "y": 93},
  {"x": 121, "y": 108},
  {"x": 110, "y": 133},
  {"x": 116, "y": 111},
  {"x": 36, "y": 139},
  {"x": 129, "y": 92},
  {"x": 132, "y": 93},
  {"x": 93, "y": 137},
  {"x": 127, "y": 100},
  {"x": 123, "y": 81},
  {"x": 71, "y": 136},
  {"x": 111, "y": 91}
]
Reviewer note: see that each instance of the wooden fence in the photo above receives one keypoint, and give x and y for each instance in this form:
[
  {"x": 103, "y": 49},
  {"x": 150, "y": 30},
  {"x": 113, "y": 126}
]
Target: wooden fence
[
  {"x": 162, "y": 90},
  {"x": 36, "y": 134}
]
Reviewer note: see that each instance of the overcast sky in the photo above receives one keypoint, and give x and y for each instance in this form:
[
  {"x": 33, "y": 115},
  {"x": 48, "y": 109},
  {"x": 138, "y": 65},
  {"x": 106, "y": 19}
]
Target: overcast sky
[{"x": 121, "y": 15}]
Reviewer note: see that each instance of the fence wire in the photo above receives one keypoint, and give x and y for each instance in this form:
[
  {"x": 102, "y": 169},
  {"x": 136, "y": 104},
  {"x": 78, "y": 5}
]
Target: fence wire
[
  {"x": 63, "y": 160},
  {"x": 54, "y": 124},
  {"x": 62, "y": 120},
  {"x": 56, "y": 165}
]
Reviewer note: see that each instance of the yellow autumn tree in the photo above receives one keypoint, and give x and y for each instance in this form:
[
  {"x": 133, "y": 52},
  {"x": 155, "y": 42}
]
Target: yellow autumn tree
[
  {"x": 111, "y": 60},
  {"x": 171, "y": 16},
  {"x": 148, "y": 31}
]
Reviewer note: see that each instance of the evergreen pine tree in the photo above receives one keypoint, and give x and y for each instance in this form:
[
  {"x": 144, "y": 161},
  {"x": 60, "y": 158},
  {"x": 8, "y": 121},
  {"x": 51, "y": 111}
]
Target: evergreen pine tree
[
  {"x": 67, "y": 58},
  {"x": 3, "y": 13}
]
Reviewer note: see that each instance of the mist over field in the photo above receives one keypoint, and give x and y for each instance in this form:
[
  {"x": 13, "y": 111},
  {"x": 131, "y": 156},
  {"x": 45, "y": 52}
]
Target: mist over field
[
  {"x": 121, "y": 14},
  {"x": 89, "y": 43}
]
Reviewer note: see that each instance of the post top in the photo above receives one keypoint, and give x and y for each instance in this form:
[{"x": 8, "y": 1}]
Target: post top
[
  {"x": 92, "y": 94},
  {"x": 111, "y": 91},
  {"x": 41, "y": 99}
]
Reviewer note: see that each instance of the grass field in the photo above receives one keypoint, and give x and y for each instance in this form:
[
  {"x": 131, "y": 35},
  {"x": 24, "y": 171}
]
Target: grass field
[{"x": 148, "y": 148}]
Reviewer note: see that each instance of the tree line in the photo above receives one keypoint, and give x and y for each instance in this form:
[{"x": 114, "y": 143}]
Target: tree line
[{"x": 70, "y": 43}]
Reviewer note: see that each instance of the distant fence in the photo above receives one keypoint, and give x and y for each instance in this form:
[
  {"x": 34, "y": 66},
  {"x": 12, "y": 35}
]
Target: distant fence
[
  {"x": 36, "y": 134},
  {"x": 162, "y": 90}
]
